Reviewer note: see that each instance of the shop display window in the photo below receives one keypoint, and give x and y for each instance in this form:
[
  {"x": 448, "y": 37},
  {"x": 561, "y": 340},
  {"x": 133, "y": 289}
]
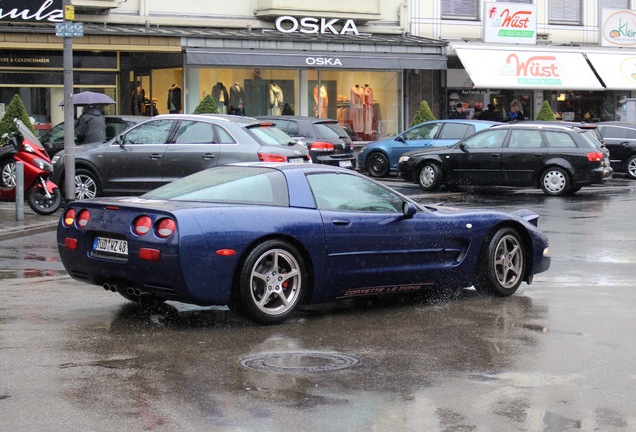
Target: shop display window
[{"x": 367, "y": 104}]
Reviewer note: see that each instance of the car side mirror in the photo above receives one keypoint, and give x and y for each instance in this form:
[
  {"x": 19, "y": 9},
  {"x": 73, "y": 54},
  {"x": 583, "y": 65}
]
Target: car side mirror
[
  {"x": 408, "y": 209},
  {"x": 463, "y": 148},
  {"x": 400, "y": 138}
]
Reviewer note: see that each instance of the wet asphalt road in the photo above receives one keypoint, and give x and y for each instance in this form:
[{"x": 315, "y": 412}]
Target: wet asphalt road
[{"x": 557, "y": 356}]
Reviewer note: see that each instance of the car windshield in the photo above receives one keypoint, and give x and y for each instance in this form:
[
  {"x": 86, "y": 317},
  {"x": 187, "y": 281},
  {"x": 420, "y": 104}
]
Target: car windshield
[
  {"x": 228, "y": 184},
  {"x": 329, "y": 131},
  {"x": 270, "y": 135}
]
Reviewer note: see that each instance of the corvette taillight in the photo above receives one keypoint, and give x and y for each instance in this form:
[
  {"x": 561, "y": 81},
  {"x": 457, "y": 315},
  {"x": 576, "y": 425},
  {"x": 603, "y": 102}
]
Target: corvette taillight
[
  {"x": 69, "y": 217},
  {"x": 165, "y": 228},
  {"x": 270, "y": 157},
  {"x": 83, "y": 218},
  {"x": 320, "y": 146},
  {"x": 142, "y": 225},
  {"x": 595, "y": 156}
]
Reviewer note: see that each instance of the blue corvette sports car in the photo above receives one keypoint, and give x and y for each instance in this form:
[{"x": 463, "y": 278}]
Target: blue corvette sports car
[{"x": 264, "y": 238}]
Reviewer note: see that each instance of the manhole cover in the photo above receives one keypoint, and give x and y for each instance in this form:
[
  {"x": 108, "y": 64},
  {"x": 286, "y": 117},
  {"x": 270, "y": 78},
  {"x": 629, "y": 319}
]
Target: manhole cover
[{"x": 299, "y": 362}]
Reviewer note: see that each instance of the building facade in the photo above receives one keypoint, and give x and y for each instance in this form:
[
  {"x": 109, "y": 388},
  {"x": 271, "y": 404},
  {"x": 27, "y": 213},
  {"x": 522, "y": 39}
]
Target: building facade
[
  {"x": 357, "y": 62},
  {"x": 579, "y": 55}
]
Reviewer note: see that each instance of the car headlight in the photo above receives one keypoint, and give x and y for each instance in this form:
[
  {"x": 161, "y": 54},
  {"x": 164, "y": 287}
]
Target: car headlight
[
  {"x": 404, "y": 159},
  {"x": 56, "y": 157}
]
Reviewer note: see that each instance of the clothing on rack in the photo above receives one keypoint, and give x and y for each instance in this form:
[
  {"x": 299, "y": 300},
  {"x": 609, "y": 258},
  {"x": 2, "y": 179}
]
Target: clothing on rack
[
  {"x": 356, "y": 111},
  {"x": 368, "y": 103},
  {"x": 276, "y": 99},
  {"x": 321, "y": 101},
  {"x": 237, "y": 100}
]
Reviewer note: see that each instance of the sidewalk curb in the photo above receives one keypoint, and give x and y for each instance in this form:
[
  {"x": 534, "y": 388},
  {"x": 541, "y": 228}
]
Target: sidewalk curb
[{"x": 27, "y": 230}]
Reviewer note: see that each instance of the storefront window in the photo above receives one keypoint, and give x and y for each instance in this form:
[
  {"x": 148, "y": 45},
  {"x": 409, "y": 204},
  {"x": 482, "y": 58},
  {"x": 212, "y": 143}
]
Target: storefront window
[
  {"x": 366, "y": 103},
  {"x": 586, "y": 106}
]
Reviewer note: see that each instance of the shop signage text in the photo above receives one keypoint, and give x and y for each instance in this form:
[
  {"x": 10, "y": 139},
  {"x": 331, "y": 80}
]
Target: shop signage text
[
  {"x": 538, "y": 69},
  {"x": 618, "y": 27},
  {"x": 510, "y": 23},
  {"x": 289, "y": 24},
  {"x": 48, "y": 11},
  {"x": 323, "y": 61}
]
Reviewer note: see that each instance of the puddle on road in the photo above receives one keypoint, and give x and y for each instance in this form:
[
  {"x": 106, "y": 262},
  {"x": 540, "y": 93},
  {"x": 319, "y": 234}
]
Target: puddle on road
[{"x": 29, "y": 273}]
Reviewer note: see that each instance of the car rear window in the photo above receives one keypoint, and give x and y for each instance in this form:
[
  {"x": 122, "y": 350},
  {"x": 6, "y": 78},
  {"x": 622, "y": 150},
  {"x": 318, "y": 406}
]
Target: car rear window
[
  {"x": 228, "y": 184},
  {"x": 560, "y": 139},
  {"x": 330, "y": 131},
  {"x": 456, "y": 131},
  {"x": 269, "y": 135}
]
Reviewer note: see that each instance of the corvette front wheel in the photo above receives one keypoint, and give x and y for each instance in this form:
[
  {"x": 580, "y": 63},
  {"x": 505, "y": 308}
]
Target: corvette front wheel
[
  {"x": 272, "y": 282},
  {"x": 501, "y": 264}
]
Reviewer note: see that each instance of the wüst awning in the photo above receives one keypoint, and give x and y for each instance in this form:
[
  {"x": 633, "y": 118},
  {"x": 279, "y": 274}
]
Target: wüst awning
[
  {"x": 513, "y": 67},
  {"x": 617, "y": 70},
  {"x": 303, "y": 59}
]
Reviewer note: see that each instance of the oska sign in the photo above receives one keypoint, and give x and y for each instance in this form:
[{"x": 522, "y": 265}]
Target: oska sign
[
  {"x": 43, "y": 11},
  {"x": 289, "y": 24}
]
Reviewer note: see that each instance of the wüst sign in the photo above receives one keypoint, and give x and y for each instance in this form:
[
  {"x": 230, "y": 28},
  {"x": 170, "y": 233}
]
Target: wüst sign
[
  {"x": 510, "y": 23},
  {"x": 32, "y": 11}
]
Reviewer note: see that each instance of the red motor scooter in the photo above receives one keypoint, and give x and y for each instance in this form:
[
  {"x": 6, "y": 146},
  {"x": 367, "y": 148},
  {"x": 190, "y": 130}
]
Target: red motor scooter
[{"x": 43, "y": 196}]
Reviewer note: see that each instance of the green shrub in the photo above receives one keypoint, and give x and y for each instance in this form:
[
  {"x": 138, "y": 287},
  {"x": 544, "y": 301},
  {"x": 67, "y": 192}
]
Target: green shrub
[
  {"x": 546, "y": 113},
  {"x": 423, "y": 114},
  {"x": 206, "y": 106},
  {"x": 15, "y": 109}
]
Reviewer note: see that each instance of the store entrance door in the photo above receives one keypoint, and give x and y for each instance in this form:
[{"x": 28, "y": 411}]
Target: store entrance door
[{"x": 142, "y": 101}]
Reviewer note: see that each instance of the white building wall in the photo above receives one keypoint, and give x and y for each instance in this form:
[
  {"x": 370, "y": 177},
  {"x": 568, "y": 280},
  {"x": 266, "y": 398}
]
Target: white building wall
[
  {"x": 375, "y": 16},
  {"x": 427, "y": 22}
]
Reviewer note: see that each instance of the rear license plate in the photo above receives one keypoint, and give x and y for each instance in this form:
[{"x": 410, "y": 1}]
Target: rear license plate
[
  {"x": 345, "y": 164},
  {"x": 296, "y": 160},
  {"x": 109, "y": 245}
]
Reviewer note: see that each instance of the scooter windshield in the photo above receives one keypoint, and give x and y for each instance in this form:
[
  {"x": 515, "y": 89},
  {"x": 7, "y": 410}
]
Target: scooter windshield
[{"x": 27, "y": 134}]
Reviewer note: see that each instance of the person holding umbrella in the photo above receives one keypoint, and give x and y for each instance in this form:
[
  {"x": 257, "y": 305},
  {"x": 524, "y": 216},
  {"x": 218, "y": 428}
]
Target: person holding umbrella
[{"x": 91, "y": 126}]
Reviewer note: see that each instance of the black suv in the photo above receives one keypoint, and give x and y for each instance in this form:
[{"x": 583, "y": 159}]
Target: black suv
[
  {"x": 620, "y": 139},
  {"x": 327, "y": 141}
]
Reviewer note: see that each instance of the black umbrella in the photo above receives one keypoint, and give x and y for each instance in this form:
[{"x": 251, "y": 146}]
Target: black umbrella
[{"x": 87, "y": 98}]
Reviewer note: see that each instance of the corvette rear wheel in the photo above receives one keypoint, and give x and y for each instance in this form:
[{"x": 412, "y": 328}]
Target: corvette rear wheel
[
  {"x": 502, "y": 264},
  {"x": 272, "y": 282}
]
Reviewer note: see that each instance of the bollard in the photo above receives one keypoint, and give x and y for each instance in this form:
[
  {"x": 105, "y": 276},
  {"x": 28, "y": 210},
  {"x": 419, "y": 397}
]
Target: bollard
[{"x": 19, "y": 191}]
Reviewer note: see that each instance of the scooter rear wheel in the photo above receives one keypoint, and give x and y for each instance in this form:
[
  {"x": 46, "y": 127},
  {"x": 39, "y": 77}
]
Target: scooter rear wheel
[{"x": 41, "y": 204}]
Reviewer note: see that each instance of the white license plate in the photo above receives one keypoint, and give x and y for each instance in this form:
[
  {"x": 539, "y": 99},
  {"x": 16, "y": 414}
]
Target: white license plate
[
  {"x": 296, "y": 160},
  {"x": 114, "y": 246},
  {"x": 345, "y": 164}
]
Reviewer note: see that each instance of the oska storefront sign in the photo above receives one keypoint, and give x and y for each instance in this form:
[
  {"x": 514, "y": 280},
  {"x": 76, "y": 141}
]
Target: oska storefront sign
[
  {"x": 618, "y": 27},
  {"x": 510, "y": 23},
  {"x": 290, "y": 24},
  {"x": 42, "y": 11}
]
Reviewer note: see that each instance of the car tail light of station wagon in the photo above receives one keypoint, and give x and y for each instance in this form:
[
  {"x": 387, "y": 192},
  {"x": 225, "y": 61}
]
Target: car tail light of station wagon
[
  {"x": 595, "y": 156},
  {"x": 320, "y": 146},
  {"x": 270, "y": 157}
]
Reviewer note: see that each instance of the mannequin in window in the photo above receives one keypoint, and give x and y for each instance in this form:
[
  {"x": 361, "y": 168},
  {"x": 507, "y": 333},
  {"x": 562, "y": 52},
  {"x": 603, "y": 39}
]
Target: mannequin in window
[
  {"x": 276, "y": 99},
  {"x": 220, "y": 95},
  {"x": 321, "y": 101},
  {"x": 174, "y": 99},
  {"x": 237, "y": 100},
  {"x": 356, "y": 110},
  {"x": 137, "y": 97},
  {"x": 368, "y": 103}
]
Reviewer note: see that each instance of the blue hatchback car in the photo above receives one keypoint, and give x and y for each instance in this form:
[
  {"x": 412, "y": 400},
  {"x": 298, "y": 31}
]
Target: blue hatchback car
[{"x": 379, "y": 158}]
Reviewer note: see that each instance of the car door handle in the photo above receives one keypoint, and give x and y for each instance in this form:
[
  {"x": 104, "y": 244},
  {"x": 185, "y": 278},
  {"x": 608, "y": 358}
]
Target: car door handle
[
  {"x": 538, "y": 155},
  {"x": 341, "y": 222},
  {"x": 208, "y": 156},
  {"x": 155, "y": 156},
  {"x": 494, "y": 155}
]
